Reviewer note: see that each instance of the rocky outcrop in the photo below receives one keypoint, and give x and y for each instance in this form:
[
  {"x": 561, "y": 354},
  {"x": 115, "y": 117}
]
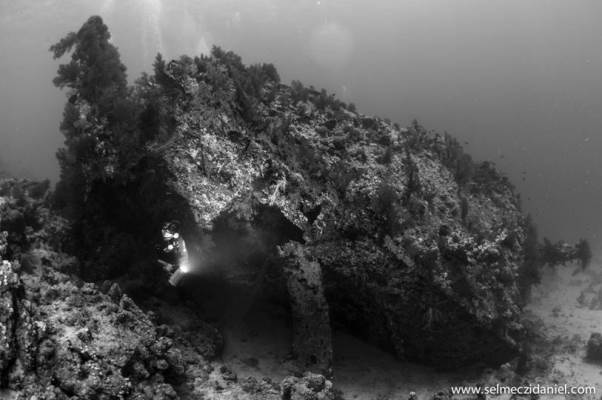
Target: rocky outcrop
[
  {"x": 62, "y": 338},
  {"x": 394, "y": 233},
  {"x": 594, "y": 347},
  {"x": 418, "y": 247},
  {"x": 309, "y": 386},
  {"x": 10, "y": 289},
  {"x": 311, "y": 319}
]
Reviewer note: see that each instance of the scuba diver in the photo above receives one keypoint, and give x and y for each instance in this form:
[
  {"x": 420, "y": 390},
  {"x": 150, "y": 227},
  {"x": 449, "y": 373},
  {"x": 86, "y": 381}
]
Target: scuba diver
[{"x": 175, "y": 250}]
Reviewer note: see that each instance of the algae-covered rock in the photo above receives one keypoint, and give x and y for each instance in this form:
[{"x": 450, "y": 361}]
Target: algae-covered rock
[
  {"x": 594, "y": 347},
  {"x": 395, "y": 234},
  {"x": 61, "y": 338},
  {"x": 10, "y": 291},
  {"x": 419, "y": 248},
  {"x": 311, "y": 320},
  {"x": 309, "y": 386}
]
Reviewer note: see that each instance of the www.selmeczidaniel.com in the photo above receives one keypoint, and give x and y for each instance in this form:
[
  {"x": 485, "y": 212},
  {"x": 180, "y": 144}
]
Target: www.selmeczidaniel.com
[{"x": 523, "y": 390}]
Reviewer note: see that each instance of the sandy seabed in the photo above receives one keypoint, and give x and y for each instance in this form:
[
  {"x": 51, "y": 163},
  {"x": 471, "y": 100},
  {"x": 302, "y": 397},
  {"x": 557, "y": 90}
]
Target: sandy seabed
[{"x": 257, "y": 344}]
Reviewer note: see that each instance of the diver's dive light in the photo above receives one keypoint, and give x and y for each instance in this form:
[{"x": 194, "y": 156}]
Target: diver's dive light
[
  {"x": 183, "y": 266},
  {"x": 176, "y": 277}
]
